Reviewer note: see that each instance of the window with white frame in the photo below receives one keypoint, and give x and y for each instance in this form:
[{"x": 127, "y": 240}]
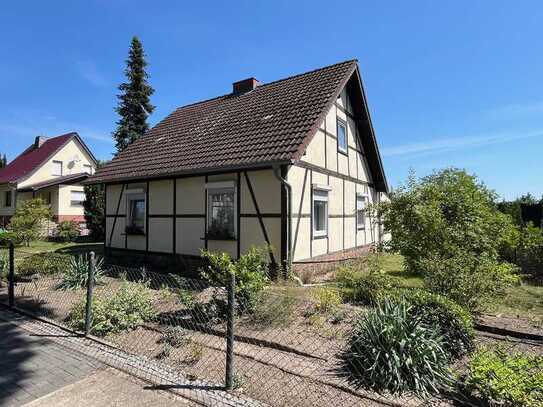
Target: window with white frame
[
  {"x": 361, "y": 211},
  {"x": 7, "y": 199},
  {"x": 135, "y": 212},
  {"x": 221, "y": 210},
  {"x": 320, "y": 212},
  {"x": 56, "y": 168},
  {"x": 87, "y": 168},
  {"x": 77, "y": 198},
  {"x": 342, "y": 136}
]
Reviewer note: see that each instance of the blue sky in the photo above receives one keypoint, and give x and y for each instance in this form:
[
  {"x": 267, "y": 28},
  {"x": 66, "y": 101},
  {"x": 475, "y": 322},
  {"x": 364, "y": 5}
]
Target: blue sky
[{"x": 448, "y": 83}]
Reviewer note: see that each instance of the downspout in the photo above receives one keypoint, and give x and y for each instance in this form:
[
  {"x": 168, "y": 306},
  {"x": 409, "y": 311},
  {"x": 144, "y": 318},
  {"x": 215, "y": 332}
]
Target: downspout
[{"x": 288, "y": 190}]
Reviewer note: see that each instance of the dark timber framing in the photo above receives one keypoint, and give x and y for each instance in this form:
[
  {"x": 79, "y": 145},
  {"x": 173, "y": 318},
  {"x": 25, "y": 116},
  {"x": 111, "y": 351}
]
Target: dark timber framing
[
  {"x": 174, "y": 219},
  {"x": 260, "y": 219},
  {"x": 147, "y": 216},
  {"x": 295, "y": 240},
  {"x": 325, "y": 171},
  {"x": 238, "y": 211}
]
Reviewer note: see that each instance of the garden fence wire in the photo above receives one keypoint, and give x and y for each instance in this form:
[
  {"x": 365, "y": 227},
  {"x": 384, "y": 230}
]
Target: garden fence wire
[{"x": 287, "y": 347}]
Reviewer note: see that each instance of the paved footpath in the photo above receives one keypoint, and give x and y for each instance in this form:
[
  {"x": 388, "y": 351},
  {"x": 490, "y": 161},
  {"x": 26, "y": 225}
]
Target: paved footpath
[{"x": 43, "y": 365}]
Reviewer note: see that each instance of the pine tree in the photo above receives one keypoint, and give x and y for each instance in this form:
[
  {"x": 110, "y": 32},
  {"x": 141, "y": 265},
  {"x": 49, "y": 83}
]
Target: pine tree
[
  {"x": 3, "y": 161},
  {"x": 134, "y": 100},
  {"x": 94, "y": 206}
]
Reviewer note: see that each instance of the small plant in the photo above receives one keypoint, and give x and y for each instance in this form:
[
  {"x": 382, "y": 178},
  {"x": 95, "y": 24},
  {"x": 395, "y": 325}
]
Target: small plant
[
  {"x": 364, "y": 287},
  {"x": 250, "y": 270},
  {"x": 47, "y": 264},
  {"x": 239, "y": 381},
  {"x": 391, "y": 351},
  {"x": 165, "y": 352},
  {"x": 196, "y": 352},
  {"x": 326, "y": 300},
  {"x": 68, "y": 231},
  {"x": 126, "y": 309},
  {"x": 175, "y": 336},
  {"x": 503, "y": 379},
  {"x": 275, "y": 310},
  {"x": 186, "y": 298},
  {"x": 453, "y": 322},
  {"x": 77, "y": 275}
]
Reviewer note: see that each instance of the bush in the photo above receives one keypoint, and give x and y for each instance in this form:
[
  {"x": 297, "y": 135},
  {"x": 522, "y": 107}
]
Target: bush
[
  {"x": 126, "y": 309},
  {"x": 175, "y": 336},
  {"x": 250, "y": 270},
  {"x": 326, "y": 300},
  {"x": 77, "y": 275},
  {"x": 364, "y": 287},
  {"x": 473, "y": 283},
  {"x": 510, "y": 380},
  {"x": 452, "y": 322},
  {"x": 43, "y": 263},
  {"x": 68, "y": 231},
  {"x": 389, "y": 350},
  {"x": 27, "y": 222}
]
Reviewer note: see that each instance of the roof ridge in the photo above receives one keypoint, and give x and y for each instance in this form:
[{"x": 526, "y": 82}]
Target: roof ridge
[{"x": 267, "y": 84}]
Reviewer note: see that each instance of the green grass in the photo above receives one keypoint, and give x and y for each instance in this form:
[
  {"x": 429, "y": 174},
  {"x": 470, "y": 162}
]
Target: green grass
[{"x": 44, "y": 246}]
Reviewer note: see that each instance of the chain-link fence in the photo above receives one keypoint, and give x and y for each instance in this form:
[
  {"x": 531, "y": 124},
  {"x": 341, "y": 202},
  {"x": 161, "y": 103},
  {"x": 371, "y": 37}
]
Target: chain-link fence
[{"x": 287, "y": 344}]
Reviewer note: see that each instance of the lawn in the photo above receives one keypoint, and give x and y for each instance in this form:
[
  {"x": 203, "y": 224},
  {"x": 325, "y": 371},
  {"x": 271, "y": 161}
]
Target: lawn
[
  {"x": 47, "y": 246},
  {"x": 523, "y": 301}
]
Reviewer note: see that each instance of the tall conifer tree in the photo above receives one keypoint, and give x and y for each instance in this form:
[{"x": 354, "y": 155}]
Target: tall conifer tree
[{"x": 134, "y": 100}]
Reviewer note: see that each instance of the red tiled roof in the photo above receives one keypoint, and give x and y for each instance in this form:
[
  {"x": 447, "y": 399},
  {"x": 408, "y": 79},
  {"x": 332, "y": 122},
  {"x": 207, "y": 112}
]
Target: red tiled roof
[
  {"x": 268, "y": 125},
  {"x": 32, "y": 158}
]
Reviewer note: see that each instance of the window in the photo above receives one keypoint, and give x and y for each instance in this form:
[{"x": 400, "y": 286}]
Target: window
[
  {"x": 57, "y": 168},
  {"x": 87, "y": 168},
  {"x": 135, "y": 223},
  {"x": 360, "y": 211},
  {"x": 320, "y": 212},
  {"x": 77, "y": 198},
  {"x": 341, "y": 136},
  {"x": 221, "y": 210},
  {"x": 7, "y": 199}
]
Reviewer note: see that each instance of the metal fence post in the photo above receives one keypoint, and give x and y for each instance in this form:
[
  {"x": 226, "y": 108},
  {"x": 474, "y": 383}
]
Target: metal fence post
[
  {"x": 90, "y": 287},
  {"x": 11, "y": 275},
  {"x": 229, "y": 379}
]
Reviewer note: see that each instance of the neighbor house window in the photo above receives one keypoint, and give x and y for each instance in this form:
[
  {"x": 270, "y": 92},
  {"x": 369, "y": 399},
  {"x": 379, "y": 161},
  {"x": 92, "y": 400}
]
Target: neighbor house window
[
  {"x": 360, "y": 211},
  {"x": 135, "y": 222},
  {"x": 221, "y": 210},
  {"x": 87, "y": 168},
  {"x": 57, "y": 168},
  {"x": 320, "y": 211},
  {"x": 7, "y": 199},
  {"x": 342, "y": 136},
  {"x": 77, "y": 198}
]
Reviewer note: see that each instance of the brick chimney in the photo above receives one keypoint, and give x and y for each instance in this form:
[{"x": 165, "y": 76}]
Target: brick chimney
[
  {"x": 38, "y": 142},
  {"x": 244, "y": 86}
]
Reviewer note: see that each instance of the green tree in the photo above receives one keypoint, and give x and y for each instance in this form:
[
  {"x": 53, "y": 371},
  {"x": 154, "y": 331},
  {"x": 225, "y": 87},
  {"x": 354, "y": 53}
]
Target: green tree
[
  {"x": 94, "y": 207},
  {"x": 27, "y": 222},
  {"x": 3, "y": 161},
  {"x": 134, "y": 100},
  {"x": 449, "y": 230}
]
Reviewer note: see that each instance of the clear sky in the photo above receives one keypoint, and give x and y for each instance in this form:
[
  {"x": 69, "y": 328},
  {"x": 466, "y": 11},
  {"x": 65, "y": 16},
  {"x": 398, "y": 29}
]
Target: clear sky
[{"x": 449, "y": 83}]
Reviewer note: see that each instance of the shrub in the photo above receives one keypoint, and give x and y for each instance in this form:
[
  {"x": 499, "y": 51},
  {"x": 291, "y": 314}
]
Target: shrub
[
  {"x": 68, "y": 230},
  {"x": 326, "y": 300},
  {"x": 126, "y": 309},
  {"x": 513, "y": 380},
  {"x": 473, "y": 283},
  {"x": 250, "y": 270},
  {"x": 4, "y": 264},
  {"x": 389, "y": 350},
  {"x": 77, "y": 275},
  {"x": 27, "y": 222},
  {"x": 452, "y": 322},
  {"x": 43, "y": 263},
  {"x": 364, "y": 287}
]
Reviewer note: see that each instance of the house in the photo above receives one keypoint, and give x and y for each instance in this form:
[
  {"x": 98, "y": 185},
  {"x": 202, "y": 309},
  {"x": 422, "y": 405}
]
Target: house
[
  {"x": 51, "y": 169},
  {"x": 291, "y": 163}
]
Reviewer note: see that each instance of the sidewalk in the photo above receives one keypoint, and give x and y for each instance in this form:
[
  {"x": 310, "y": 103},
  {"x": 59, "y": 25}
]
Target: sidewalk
[{"x": 44, "y": 365}]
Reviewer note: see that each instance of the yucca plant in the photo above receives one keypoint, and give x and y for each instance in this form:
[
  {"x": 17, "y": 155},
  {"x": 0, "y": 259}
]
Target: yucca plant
[
  {"x": 77, "y": 274},
  {"x": 391, "y": 351}
]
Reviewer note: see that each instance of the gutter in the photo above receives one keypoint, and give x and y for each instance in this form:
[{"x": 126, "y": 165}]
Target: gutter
[{"x": 288, "y": 189}]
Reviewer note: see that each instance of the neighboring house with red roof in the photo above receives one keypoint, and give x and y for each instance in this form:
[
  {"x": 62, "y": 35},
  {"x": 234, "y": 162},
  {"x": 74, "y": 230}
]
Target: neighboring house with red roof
[
  {"x": 292, "y": 163},
  {"x": 52, "y": 169}
]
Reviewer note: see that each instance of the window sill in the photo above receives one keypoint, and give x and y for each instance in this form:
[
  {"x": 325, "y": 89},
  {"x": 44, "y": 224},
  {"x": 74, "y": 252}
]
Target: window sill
[
  {"x": 133, "y": 233},
  {"x": 316, "y": 237},
  {"x": 224, "y": 238},
  {"x": 361, "y": 228},
  {"x": 344, "y": 152}
]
